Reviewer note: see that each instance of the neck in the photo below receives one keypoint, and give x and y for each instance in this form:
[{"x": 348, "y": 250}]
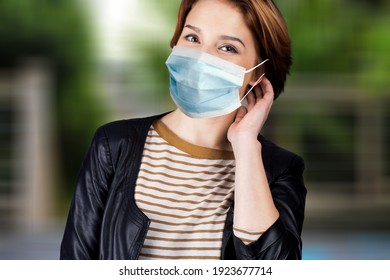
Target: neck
[{"x": 209, "y": 133}]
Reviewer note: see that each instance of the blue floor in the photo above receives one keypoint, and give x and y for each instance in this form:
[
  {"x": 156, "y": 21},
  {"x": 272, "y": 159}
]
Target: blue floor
[
  {"x": 364, "y": 245},
  {"x": 317, "y": 245}
]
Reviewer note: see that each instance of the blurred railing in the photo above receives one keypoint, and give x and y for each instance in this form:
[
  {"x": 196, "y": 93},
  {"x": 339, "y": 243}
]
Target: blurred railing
[
  {"x": 342, "y": 132},
  {"x": 27, "y": 191}
]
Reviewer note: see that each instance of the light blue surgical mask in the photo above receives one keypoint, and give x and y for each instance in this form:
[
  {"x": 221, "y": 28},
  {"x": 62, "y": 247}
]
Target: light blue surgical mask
[{"x": 203, "y": 85}]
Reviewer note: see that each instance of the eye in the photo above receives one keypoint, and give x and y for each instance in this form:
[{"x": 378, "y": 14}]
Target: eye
[
  {"x": 228, "y": 48},
  {"x": 192, "y": 38}
]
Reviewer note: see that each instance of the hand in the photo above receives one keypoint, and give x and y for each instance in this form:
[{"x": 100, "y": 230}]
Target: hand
[{"x": 249, "y": 122}]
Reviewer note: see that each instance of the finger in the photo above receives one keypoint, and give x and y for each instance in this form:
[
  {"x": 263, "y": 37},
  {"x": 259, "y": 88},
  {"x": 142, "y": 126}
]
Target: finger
[
  {"x": 264, "y": 104},
  {"x": 241, "y": 112},
  {"x": 268, "y": 91},
  {"x": 258, "y": 92},
  {"x": 251, "y": 99},
  {"x": 257, "y": 89}
]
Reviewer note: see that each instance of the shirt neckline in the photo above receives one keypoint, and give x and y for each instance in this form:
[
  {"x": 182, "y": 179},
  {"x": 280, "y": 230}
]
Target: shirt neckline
[{"x": 191, "y": 149}]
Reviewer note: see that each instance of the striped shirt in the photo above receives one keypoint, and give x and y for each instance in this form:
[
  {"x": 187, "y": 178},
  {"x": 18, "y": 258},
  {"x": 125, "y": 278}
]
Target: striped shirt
[{"x": 185, "y": 191}]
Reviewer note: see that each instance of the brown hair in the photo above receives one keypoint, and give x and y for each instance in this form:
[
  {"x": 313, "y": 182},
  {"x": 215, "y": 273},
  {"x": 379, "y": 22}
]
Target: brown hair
[{"x": 269, "y": 31}]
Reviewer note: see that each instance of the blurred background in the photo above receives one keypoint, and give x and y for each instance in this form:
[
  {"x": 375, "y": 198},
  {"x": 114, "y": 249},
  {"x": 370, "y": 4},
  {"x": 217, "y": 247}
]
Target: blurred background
[{"x": 68, "y": 66}]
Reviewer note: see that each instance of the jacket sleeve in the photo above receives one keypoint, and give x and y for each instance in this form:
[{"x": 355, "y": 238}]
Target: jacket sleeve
[
  {"x": 82, "y": 230},
  {"x": 283, "y": 239}
]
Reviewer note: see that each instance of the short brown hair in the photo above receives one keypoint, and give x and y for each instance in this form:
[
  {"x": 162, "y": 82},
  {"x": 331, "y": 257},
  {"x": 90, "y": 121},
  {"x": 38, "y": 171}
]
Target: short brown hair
[{"x": 269, "y": 31}]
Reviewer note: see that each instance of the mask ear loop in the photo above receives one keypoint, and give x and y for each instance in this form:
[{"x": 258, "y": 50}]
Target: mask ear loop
[
  {"x": 258, "y": 65},
  {"x": 255, "y": 84}
]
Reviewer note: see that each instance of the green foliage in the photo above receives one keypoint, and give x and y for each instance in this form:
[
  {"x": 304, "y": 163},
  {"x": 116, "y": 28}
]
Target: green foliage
[
  {"x": 375, "y": 66},
  {"x": 322, "y": 35},
  {"x": 333, "y": 36},
  {"x": 154, "y": 49}
]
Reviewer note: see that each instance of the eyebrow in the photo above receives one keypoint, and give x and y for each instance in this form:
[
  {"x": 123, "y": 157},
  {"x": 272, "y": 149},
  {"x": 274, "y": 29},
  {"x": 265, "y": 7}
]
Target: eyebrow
[
  {"x": 231, "y": 38},
  {"x": 222, "y": 37}
]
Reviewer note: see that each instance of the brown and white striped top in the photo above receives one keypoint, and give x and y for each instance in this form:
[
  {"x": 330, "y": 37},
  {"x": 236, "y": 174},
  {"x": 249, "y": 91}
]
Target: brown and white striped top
[{"x": 185, "y": 190}]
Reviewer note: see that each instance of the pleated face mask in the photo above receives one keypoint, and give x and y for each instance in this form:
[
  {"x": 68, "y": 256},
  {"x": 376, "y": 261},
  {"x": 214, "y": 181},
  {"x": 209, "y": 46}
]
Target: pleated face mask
[{"x": 203, "y": 85}]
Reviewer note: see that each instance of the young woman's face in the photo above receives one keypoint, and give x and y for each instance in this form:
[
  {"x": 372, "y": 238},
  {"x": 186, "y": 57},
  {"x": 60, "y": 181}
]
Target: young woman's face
[{"x": 218, "y": 28}]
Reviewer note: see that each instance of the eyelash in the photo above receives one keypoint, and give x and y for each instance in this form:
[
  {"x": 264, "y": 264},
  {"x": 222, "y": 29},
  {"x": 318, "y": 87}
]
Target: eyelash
[
  {"x": 194, "y": 39},
  {"x": 189, "y": 36},
  {"x": 232, "y": 49}
]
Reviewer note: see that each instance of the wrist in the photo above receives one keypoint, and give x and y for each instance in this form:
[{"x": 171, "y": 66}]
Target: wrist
[{"x": 246, "y": 145}]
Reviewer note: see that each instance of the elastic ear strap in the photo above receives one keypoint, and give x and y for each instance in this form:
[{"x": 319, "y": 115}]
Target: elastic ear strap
[
  {"x": 255, "y": 84},
  {"x": 258, "y": 65}
]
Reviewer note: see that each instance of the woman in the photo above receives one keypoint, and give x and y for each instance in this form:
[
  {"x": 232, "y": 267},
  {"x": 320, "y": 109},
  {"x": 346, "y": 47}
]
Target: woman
[{"x": 198, "y": 182}]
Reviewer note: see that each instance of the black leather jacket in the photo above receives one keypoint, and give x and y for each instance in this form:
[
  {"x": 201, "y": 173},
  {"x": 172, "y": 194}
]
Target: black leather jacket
[{"x": 105, "y": 223}]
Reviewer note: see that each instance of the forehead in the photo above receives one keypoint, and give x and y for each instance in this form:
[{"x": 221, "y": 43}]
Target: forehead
[{"x": 218, "y": 15}]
